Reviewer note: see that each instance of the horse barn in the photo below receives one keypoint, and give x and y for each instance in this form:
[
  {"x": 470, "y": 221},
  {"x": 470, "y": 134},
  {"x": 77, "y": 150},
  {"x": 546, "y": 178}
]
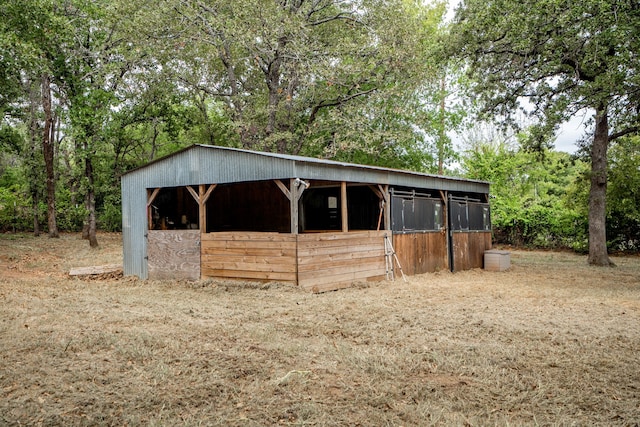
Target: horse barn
[{"x": 216, "y": 212}]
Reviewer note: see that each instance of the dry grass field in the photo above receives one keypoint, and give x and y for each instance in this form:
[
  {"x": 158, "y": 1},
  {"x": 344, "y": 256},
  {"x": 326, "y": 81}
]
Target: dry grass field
[{"x": 549, "y": 342}]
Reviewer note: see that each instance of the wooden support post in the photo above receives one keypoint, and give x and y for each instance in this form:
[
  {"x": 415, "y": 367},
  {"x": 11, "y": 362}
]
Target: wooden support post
[
  {"x": 201, "y": 198},
  {"x": 202, "y": 211},
  {"x": 203, "y": 207},
  {"x": 387, "y": 206},
  {"x": 150, "y": 198},
  {"x": 445, "y": 219},
  {"x": 293, "y": 201},
  {"x": 293, "y": 193},
  {"x": 343, "y": 206},
  {"x": 383, "y": 194}
]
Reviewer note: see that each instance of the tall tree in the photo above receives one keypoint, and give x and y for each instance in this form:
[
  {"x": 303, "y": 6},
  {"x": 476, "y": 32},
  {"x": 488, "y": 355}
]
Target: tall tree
[
  {"x": 48, "y": 141},
  {"x": 95, "y": 63},
  {"x": 562, "y": 56},
  {"x": 37, "y": 33},
  {"x": 290, "y": 73}
]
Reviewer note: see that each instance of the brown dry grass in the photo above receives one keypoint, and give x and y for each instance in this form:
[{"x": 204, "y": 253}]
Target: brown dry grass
[{"x": 550, "y": 342}]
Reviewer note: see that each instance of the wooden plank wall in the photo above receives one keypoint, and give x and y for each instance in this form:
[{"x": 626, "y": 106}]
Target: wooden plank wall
[
  {"x": 468, "y": 249},
  {"x": 421, "y": 252},
  {"x": 173, "y": 254},
  {"x": 249, "y": 256},
  {"x": 329, "y": 261}
]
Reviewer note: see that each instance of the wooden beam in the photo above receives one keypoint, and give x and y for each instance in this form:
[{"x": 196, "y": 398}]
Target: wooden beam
[
  {"x": 150, "y": 198},
  {"x": 95, "y": 270},
  {"x": 301, "y": 186},
  {"x": 153, "y": 195},
  {"x": 376, "y": 191},
  {"x": 284, "y": 188},
  {"x": 343, "y": 206},
  {"x": 208, "y": 193},
  {"x": 193, "y": 194},
  {"x": 384, "y": 193}
]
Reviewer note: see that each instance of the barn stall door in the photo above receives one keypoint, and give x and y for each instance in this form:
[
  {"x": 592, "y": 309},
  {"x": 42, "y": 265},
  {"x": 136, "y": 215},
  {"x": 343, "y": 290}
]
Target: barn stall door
[
  {"x": 470, "y": 230},
  {"x": 173, "y": 254},
  {"x": 417, "y": 221}
]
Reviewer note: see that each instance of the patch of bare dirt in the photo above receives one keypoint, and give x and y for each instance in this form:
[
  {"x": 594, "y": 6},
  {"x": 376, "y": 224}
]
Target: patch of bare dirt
[{"x": 550, "y": 342}]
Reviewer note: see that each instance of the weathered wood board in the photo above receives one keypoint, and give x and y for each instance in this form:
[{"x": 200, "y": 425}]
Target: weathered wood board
[
  {"x": 318, "y": 262},
  {"x": 95, "y": 270},
  {"x": 249, "y": 255},
  {"x": 469, "y": 248},
  {"x": 329, "y": 261},
  {"x": 421, "y": 252},
  {"x": 173, "y": 254}
]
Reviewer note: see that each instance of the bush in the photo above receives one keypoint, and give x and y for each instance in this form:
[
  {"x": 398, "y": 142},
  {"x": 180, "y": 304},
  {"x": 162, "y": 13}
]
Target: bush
[
  {"x": 15, "y": 211},
  {"x": 110, "y": 218}
]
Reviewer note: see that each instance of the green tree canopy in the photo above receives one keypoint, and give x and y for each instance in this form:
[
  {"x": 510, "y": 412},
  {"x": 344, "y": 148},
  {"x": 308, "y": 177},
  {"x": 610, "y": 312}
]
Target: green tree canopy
[
  {"x": 562, "y": 56},
  {"x": 531, "y": 194},
  {"x": 305, "y": 77}
]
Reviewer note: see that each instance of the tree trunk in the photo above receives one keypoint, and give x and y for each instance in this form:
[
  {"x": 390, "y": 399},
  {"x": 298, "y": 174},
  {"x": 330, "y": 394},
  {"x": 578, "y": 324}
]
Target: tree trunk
[
  {"x": 85, "y": 223},
  {"x": 598, "y": 193},
  {"x": 36, "y": 220},
  {"x": 441, "y": 130},
  {"x": 91, "y": 227},
  {"x": 48, "y": 152},
  {"x": 34, "y": 136}
]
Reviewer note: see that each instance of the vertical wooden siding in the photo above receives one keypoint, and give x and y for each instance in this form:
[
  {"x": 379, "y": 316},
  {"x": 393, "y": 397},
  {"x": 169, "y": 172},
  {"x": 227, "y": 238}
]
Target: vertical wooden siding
[
  {"x": 421, "y": 252},
  {"x": 173, "y": 254},
  {"x": 329, "y": 261},
  {"x": 250, "y": 256},
  {"x": 468, "y": 249}
]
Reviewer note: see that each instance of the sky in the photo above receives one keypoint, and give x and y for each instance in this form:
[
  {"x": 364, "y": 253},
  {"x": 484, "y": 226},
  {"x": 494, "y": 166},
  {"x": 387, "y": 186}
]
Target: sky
[{"x": 570, "y": 132}]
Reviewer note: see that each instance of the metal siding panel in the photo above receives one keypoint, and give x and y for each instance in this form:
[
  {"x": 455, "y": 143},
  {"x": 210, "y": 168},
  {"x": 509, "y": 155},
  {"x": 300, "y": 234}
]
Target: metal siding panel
[
  {"x": 134, "y": 224},
  {"x": 125, "y": 186}
]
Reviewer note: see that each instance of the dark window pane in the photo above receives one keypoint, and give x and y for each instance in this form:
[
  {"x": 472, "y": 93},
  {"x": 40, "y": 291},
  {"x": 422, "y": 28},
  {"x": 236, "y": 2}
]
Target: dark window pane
[{"x": 412, "y": 213}]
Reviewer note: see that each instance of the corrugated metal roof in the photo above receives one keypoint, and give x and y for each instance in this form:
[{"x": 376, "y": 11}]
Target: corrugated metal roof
[{"x": 310, "y": 161}]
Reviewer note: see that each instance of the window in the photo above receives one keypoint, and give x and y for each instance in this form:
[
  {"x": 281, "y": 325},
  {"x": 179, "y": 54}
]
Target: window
[
  {"x": 470, "y": 216},
  {"x": 413, "y": 212},
  {"x": 479, "y": 218},
  {"x": 459, "y": 216}
]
